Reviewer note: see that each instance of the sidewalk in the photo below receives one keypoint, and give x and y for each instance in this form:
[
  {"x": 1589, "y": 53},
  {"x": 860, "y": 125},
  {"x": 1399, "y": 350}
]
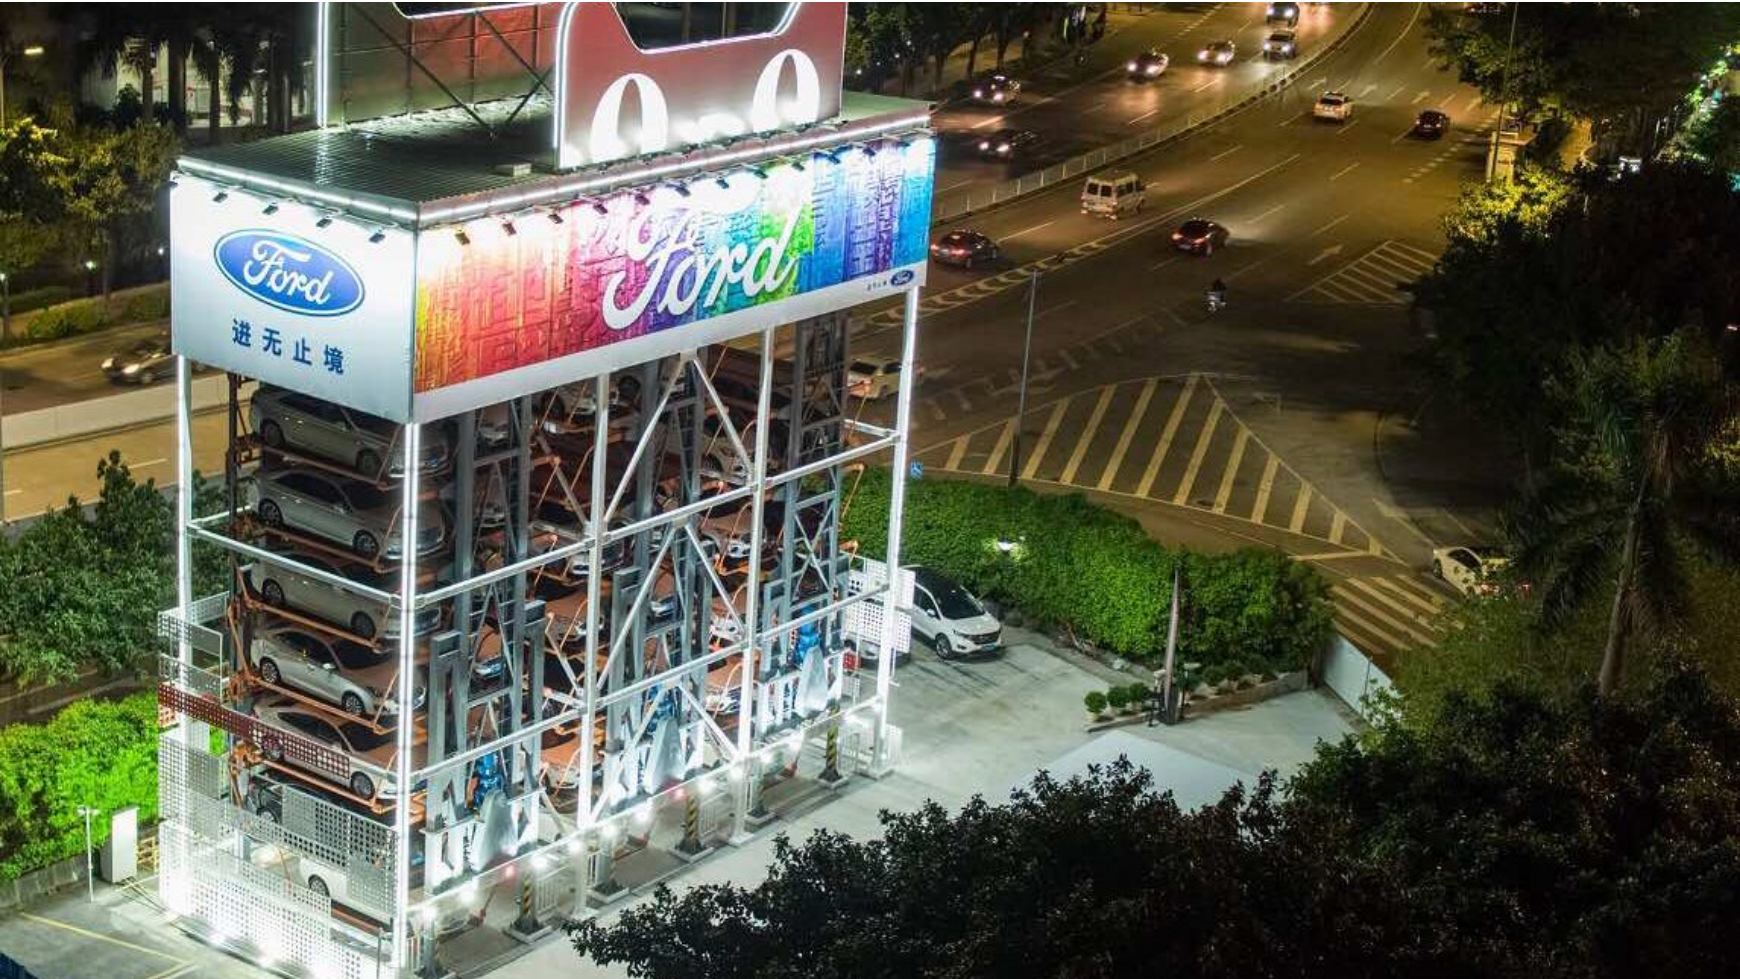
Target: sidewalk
[{"x": 970, "y": 728}]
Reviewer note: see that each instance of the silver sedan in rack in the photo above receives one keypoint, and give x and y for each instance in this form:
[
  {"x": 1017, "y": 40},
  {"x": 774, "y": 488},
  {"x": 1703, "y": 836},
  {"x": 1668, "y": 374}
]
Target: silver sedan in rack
[
  {"x": 287, "y": 419},
  {"x": 350, "y": 514},
  {"x": 352, "y": 677},
  {"x": 297, "y": 590}
]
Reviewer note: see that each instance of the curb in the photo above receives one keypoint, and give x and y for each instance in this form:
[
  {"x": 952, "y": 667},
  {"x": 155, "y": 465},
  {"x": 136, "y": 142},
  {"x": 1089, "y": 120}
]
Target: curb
[{"x": 1283, "y": 82}]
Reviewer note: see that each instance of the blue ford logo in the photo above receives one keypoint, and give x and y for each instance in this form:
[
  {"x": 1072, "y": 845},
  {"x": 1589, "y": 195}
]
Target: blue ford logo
[
  {"x": 288, "y": 273},
  {"x": 901, "y": 277}
]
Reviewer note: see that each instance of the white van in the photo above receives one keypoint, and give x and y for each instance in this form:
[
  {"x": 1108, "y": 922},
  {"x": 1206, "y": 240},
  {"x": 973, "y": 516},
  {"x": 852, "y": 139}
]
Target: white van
[{"x": 1114, "y": 194}]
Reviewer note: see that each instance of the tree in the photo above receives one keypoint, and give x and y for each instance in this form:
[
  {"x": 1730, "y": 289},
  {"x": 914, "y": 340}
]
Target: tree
[
  {"x": 112, "y": 184},
  {"x": 1634, "y": 468},
  {"x": 1714, "y": 138},
  {"x": 1505, "y": 834},
  {"x": 1629, "y": 65}
]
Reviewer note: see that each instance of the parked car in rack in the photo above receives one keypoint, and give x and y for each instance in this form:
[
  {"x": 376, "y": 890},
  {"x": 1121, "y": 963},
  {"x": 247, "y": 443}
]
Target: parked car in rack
[
  {"x": 349, "y": 514},
  {"x": 371, "y": 754},
  {"x": 145, "y": 362},
  {"x": 292, "y": 588},
  {"x": 372, "y": 446},
  {"x": 951, "y": 619},
  {"x": 358, "y": 680}
]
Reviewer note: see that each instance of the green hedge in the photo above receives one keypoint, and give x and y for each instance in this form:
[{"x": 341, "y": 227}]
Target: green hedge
[
  {"x": 83, "y": 316},
  {"x": 29, "y": 299},
  {"x": 94, "y": 753},
  {"x": 1097, "y": 572}
]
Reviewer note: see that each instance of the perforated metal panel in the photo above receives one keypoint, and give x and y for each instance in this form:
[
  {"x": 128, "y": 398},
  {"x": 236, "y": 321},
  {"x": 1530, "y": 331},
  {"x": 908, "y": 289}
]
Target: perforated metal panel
[
  {"x": 864, "y": 619},
  {"x": 185, "y": 676}
]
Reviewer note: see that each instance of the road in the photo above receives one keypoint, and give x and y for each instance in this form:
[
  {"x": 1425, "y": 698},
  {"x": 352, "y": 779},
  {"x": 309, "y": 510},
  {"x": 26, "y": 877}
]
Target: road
[
  {"x": 1288, "y": 419},
  {"x": 1073, "y": 109}
]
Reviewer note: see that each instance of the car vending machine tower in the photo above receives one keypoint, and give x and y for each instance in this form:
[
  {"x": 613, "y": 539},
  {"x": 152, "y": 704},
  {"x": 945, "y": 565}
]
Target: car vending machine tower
[{"x": 526, "y": 577}]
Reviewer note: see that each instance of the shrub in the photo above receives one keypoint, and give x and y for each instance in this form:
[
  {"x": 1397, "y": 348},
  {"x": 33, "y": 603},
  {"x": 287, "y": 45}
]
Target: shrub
[
  {"x": 82, "y": 316},
  {"x": 1214, "y": 673},
  {"x": 1138, "y": 693},
  {"x": 1095, "y": 702},
  {"x": 1118, "y": 698},
  {"x": 31, "y": 299},
  {"x": 94, "y": 753},
  {"x": 1099, "y": 573}
]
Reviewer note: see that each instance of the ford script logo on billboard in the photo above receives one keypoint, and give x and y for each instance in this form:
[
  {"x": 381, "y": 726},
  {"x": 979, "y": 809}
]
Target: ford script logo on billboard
[
  {"x": 288, "y": 273},
  {"x": 900, "y": 278}
]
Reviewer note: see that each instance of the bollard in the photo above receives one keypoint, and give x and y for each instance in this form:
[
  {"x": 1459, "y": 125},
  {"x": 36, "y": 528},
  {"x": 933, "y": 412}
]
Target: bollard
[
  {"x": 831, "y": 754},
  {"x": 691, "y": 842}
]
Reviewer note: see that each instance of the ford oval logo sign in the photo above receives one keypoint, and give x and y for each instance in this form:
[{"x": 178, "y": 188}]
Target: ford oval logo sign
[
  {"x": 901, "y": 277},
  {"x": 289, "y": 273}
]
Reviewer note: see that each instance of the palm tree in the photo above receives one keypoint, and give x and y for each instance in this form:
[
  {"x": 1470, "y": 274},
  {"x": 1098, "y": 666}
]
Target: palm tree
[{"x": 1637, "y": 476}]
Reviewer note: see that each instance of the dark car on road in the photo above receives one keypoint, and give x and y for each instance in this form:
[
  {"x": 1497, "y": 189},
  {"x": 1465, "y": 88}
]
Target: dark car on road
[
  {"x": 996, "y": 89},
  {"x": 1431, "y": 124},
  {"x": 145, "y": 362},
  {"x": 1007, "y": 144},
  {"x": 963, "y": 248},
  {"x": 1282, "y": 13},
  {"x": 1149, "y": 64},
  {"x": 1199, "y": 236}
]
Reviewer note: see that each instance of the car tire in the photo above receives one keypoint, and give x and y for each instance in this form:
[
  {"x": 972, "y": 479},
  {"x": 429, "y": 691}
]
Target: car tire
[
  {"x": 318, "y": 886},
  {"x": 270, "y": 514},
  {"x": 270, "y": 814},
  {"x": 269, "y": 672},
  {"x": 366, "y": 544},
  {"x": 939, "y": 644},
  {"x": 272, "y": 593},
  {"x": 368, "y": 462},
  {"x": 352, "y": 703},
  {"x": 362, "y": 625},
  {"x": 361, "y": 785},
  {"x": 1438, "y": 569},
  {"x": 272, "y": 434},
  {"x": 1207, "y": 249}
]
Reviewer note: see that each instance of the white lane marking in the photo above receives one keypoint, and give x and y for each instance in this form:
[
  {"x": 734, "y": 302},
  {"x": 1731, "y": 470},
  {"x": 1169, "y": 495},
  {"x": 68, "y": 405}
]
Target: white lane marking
[
  {"x": 1344, "y": 127},
  {"x": 1241, "y": 270},
  {"x": 1036, "y": 227},
  {"x": 1330, "y": 225},
  {"x": 1001, "y": 447},
  {"x": 1344, "y": 171},
  {"x": 1423, "y": 96},
  {"x": 1123, "y": 446},
  {"x": 1223, "y": 154},
  {"x": 1366, "y": 91},
  {"x": 1206, "y": 85},
  {"x": 1271, "y": 212},
  {"x": 1204, "y": 438},
  {"x": 1230, "y": 473},
  {"x": 1398, "y": 91},
  {"x": 1144, "y": 115},
  {"x": 1052, "y": 309},
  {"x": 956, "y": 454},
  {"x": 13, "y": 492},
  {"x": 1157, "y": 267},
  {"x": 1088, "y": 433},
  {"x": 1166, "y": 436},
  {"x": 1406, "y": 29},
  {"x": 148, "y": 462},
  {"x": 1028, "y": 471}
]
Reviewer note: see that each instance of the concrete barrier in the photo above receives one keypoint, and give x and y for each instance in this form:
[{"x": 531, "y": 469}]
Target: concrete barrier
[
  {"x": 106, "y": 414},
  {"x": 1353, "y": 677}
]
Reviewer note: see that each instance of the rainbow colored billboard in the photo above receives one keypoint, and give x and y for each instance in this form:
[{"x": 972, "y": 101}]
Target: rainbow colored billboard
[{"x": 517, "y": 308}]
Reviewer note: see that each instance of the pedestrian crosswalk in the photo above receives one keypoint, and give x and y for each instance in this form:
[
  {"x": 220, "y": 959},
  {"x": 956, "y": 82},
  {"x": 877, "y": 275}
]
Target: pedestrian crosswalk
[
  {"x": 988, "y": 286},
  {"x": 1384, "y": 615},
  {"x": 1172, "y": 440},
  {"x": 1373, "y": 279}
]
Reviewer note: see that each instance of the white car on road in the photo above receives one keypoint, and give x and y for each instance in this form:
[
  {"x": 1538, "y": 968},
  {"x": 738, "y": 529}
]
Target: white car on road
[
  {"x": 877, "y": 378},
  {"x": 1468, "y": 569},
  {"x": 1334, "y": 106}
]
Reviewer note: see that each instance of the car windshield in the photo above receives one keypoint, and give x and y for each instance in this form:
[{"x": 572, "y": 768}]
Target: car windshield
[
  {"x": 860, "y": 367},
  {"x": 354, "y": 656},
  {"x": 144, "y": 348},
  {"x": 1195, "y": 229},
  {"x": 370, "y": 423},
  {"x": 953, "y": 601},
  {"x": 1333, "y": 99},
  {"x": 1219, "y": 46}
]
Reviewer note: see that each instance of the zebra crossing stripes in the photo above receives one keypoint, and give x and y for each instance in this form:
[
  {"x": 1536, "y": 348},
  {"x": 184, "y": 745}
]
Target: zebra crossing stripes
[
  {"x": 1372, "y": 279},
  {"x": 1172, "y": 440},
  {"x": 1385, "y": 615},
  {"x": 1003, "y": 282}
]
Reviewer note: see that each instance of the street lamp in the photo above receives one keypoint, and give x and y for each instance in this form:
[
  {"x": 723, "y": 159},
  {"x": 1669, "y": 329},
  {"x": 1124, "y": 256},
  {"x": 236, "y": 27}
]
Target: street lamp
[
  {"x": 90, "y": 277},
  {"x": 90, "y": 877},
  {"x": 1026, "y": 354},
  {"x": 28, "y": 51},
  {"x": 163, "y": 261}
]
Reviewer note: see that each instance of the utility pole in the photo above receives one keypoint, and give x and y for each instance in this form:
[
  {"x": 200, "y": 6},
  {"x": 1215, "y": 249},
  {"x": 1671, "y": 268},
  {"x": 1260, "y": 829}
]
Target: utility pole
[
  {"x": 90, "y": 875},
  {"x": 1026, "y": 357},
  {"x": 1503, "y": 98}
]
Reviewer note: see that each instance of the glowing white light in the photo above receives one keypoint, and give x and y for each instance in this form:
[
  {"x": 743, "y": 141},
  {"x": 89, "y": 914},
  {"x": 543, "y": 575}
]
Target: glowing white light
[
  {"x": 643, "y": 814},
  {"x": 610, "y": 831},
  {"x": 576, "y": 846}
]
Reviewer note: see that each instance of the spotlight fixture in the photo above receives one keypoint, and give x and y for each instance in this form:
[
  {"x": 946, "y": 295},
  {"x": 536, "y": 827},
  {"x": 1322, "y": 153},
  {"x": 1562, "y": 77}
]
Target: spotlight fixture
[
  {"x": 869, "y": 150},
  {"x": 640, "y": 198},
  {"x": 271, "y": 208},
  {"x": 220, "y": 197},
  {"x": 723, "y": 183},
  {"x": 507, "y": 228},
  {"x": 760, "y": 174},
  {"x": 555, "y": 217},
  {"x": 324, "y": 222},
  {"x": 378, "y": 237},
  {"x": 797, "y": 165},
  {"x": 681, "y": 190},
  {"x": 599, "y": 207},
  {"x": 461, "y": 237}
]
